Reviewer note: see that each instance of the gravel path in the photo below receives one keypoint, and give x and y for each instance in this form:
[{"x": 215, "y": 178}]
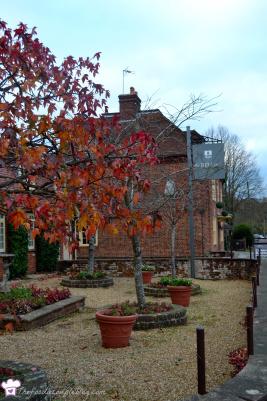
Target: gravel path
[{"x": 160, "y": 364}]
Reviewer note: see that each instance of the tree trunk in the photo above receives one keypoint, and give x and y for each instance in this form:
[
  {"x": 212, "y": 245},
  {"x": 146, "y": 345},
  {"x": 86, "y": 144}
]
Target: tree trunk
[
  {"x": 91, "y": 254},
  {"x": 173, "y": 240},
  {"x": 139, "y": 287}
]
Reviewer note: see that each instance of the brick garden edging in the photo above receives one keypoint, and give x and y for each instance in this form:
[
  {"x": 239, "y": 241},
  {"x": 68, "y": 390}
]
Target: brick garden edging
[
  {"x": 174, "y": 317},
  {"x": 163, "y": 292},
  {"x": 34, "y": 384},
  {"x": 44, "y": 315},
  {"x": 94, "y": 283}
]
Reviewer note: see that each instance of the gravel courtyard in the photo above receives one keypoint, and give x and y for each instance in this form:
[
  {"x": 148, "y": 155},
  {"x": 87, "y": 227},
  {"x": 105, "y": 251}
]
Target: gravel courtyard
[{"x": 159, "y": 365}]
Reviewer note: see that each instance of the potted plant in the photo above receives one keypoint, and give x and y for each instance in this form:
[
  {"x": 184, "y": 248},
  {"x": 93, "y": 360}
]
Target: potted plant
[
  {"x": 147, "y": 273},
  {"x": 116, "y": 325},
  {"x": 179, "y": 289}
]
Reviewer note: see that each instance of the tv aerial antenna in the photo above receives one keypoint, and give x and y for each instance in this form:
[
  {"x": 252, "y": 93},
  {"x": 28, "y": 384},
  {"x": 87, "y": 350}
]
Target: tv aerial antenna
[{"x": 125, "y": 72}]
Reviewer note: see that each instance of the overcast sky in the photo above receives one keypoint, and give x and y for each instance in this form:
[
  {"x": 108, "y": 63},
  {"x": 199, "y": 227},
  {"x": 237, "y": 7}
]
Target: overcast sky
[{"x": 175, "y": 48}]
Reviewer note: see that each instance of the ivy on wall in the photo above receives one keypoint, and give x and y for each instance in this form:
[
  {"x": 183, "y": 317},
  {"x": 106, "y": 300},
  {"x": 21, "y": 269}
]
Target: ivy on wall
[
  {"x": 46, "y": 254},
  {"x": 18, "y": 245}
]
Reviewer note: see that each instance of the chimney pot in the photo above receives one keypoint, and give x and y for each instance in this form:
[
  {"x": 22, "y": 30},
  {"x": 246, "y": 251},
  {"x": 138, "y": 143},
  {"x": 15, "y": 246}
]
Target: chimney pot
[{"x": 129, "y": 105}]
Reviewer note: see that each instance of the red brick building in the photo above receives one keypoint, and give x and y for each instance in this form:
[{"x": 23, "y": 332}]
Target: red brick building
[{"x": 173, "y": 166}]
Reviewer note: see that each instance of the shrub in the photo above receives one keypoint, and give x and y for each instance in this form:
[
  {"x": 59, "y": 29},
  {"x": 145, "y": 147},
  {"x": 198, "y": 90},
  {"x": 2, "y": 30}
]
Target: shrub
[
  {"x": 243, "y": 231},
  {"x": 84, "y": 275},
  {"x": 18, "y": 245},
  {"x": 17, "y": 293},
  {"x": 22, "y": 300},
  {"x": 46, "y": 254},
  {"x": 175, "y": 281},
  {"x": 148, "y": 268},
  {"x": 127, "y": 308},
  {"x": 238, "y": 358}
]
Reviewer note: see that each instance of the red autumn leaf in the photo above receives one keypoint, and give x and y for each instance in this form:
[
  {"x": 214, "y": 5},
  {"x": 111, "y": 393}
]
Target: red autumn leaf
[{"x": 18, "y": 218}]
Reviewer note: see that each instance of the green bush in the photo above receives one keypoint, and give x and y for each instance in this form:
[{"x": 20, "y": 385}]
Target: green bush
[
  {"x": 175, "y": 281},
  {"x": 84, "y": 275},
  {"x": 18, "y": 245},
  {"x": 148, "y": 268},
  {"x": 17, "y": 293},
  {"x": 243, "y": 231},
  {"x": 46, "y": 254}
]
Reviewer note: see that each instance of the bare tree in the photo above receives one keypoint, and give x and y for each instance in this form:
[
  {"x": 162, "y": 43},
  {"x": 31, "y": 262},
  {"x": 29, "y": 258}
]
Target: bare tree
[{"x": 242, "y": 177}]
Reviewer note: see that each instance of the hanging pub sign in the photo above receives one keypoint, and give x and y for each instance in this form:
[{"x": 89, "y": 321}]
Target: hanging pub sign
[{"x": 208, "y": 161}]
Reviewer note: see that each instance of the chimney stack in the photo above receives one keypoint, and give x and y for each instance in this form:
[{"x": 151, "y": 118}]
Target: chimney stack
[{"x": 130, "y": 105}]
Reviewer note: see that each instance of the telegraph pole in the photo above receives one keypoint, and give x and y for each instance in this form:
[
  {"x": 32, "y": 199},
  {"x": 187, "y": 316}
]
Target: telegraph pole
[{"x": 190, "y": 202}]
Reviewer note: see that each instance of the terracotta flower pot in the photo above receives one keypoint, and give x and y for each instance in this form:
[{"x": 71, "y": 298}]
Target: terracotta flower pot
[
  {"x": 115, "y": 330},
  {"x": 147, "y": 276},
  {"x": 180, "y": 295}
]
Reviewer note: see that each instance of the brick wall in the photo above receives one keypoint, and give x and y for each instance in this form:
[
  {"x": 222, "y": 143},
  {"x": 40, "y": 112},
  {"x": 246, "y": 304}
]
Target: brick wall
[
  {"x": 159, "y": 243},
  {"x": 173, "y": 163},
  {"x": 31, "y": 262}
]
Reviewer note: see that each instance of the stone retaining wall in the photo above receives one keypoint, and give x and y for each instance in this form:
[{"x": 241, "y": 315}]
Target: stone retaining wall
[
  {"x": 34, "y": 382},
  {"x": 94, "y": 283},
  {"x": 219, "y": 268},
  {"x": 206, "y": 268},
  {"x": 174, "y": 317},
  {"x": 44, "y": 315}
]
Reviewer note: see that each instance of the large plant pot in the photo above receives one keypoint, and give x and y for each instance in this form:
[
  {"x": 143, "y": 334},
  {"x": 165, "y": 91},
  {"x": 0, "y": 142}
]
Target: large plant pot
[
  {"x": 115, "y": 330},
  {"x": 147, "y": 276},
  {"x": 180, "y": 295}
]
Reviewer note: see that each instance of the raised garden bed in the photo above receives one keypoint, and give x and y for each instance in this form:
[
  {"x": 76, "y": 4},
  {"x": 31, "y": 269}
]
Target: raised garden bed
[
  {"x": 160, "y": 292},
  {"x": 87, "y": 283},
  {"x": 34, "y": 384},
  {"x": 174, "y": 317},
  {"x": 154, "y": 315},
  {"x": 43, "y": 315}
]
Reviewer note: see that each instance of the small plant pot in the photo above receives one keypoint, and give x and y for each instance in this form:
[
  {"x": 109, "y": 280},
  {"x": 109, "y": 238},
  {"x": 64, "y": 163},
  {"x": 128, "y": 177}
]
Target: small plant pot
[
  {"x": 180, "y": 295},
  {"x": 115, "y": 330},
  {"x": 147, "y": 276}
]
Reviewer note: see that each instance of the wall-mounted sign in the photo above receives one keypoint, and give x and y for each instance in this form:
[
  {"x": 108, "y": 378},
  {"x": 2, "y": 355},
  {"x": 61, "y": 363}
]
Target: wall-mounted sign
[{"x": 208, "y": 161}]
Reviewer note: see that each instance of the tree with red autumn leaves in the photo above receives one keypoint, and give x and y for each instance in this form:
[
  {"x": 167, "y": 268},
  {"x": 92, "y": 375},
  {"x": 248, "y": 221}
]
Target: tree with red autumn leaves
[{"x": 60, "y": 160}]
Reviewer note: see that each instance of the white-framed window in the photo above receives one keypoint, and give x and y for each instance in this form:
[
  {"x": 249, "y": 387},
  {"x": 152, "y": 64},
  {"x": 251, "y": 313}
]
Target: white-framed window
[
  {"x": 2, "y": 233},
  {"x": 31, "y": 241},
  {"x": 83, "y": 241},
  {"x": 213, "y": 190}
]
